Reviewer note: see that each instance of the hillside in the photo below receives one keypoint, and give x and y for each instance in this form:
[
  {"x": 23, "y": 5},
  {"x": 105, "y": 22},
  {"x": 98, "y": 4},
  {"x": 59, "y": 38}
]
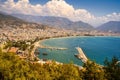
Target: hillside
[
  {"x": 8, "y": 21},
  {"x": 112, "y": 26},
  {"x": 57, "y": 22}
]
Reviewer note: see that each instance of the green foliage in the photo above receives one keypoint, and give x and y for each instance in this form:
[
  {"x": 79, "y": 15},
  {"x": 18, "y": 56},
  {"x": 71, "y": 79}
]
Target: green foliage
[
  {"x": 0, "y": 50},
  {"x": 20, "y": 44},
  {"x": 112, "y": 69},
  {"x": 13, "y": 68},
  {"x": 8, "y": 45},
  {"x": 93, "y": 71},
  {"x": 70, "y": 72}
]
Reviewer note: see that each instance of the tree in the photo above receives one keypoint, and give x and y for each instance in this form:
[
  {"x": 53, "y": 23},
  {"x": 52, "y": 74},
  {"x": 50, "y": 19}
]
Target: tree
[
  {"x": 112, "y": 69},
  {"x": 93, "y": 71},
  {"x": 8, "y": 45},
  {"x": 70, "y": 72}
]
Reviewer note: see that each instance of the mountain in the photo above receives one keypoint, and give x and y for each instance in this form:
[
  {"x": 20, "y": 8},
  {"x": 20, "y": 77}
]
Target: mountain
[
  {"x": 79, "y": 25},
  {"x": 8, "y": 21},
  {"x": 57, "y": 22},
  {"x": 111, "y": 26}
]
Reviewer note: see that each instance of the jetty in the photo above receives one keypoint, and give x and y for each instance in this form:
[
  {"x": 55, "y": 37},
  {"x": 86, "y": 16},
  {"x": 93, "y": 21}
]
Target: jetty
[
  {"x": 81, "y": 55},
  {"x": 52, "y": 48},
  {"x": 38, "y": 45}
]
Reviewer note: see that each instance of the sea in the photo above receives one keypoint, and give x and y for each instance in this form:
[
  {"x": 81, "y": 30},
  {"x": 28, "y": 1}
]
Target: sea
[{"x": 96, "y": 49}]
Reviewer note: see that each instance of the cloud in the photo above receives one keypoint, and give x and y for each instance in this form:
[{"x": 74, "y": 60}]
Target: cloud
[
  {"x": 22, "y": 6},
  {"x": 56, "y": 8}
]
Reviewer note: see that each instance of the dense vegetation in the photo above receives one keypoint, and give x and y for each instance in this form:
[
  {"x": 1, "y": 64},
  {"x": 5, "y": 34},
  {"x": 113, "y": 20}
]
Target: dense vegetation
[{"x": 14, "y": 68}]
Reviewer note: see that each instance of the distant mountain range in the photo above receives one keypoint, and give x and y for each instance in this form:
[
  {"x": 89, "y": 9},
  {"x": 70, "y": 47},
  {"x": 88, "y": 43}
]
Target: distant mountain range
[
  {"x": 112, "y": 26},
  {"x": 28, "y": 21},
  {"x": 57, "y": 22},
  {"x": 8, "y": 21}
]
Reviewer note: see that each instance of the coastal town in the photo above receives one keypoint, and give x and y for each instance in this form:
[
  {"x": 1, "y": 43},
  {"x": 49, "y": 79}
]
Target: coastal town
[
  {"x": 59, "y": 40},
  {"x": 30, "y": 37},
  {"x": 21, "y": 45},
  {"x": 20, "y": 42},
  {"x": 29, "y": 34}
]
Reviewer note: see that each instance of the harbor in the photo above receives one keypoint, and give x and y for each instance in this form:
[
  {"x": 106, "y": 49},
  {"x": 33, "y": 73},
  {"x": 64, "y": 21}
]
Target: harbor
[
  {"x": 90, "y": 49},
  {"x": 81, "y": 55}
]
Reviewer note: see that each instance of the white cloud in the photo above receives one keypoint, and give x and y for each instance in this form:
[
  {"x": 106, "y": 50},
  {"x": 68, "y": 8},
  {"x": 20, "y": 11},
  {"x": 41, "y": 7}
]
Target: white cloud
[
  {"x": 56, "y": 8},
  {"x": 110, "y": 17}
]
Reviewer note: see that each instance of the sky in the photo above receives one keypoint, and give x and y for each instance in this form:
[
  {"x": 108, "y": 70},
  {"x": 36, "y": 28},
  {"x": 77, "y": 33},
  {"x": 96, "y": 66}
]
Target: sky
[
  {"x": 97, "y": 7},
  {"x": 94, "y": 12}
]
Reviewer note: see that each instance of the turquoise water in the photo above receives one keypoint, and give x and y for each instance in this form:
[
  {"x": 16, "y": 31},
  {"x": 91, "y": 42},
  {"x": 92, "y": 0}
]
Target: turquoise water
[{"x": 95, "y": 48}]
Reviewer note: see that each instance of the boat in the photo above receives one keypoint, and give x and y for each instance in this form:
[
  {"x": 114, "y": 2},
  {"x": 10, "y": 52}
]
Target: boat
[
  {"x": 37, "y": 53},
  {"x": 45, "y": 53},
  {"x": 76, "y": 55},
  {"x": 44, "y": 59}
]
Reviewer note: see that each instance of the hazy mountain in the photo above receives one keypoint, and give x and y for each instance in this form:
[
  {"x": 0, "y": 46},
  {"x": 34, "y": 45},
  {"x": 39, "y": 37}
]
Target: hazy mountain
[
  {"x": 112, "y": 26},
  {"x": 5, "y": 17},
  {"x": 57, "y": 22},
  {"x": 8, "y": 21},
  {"x": 81, "y": 26}
]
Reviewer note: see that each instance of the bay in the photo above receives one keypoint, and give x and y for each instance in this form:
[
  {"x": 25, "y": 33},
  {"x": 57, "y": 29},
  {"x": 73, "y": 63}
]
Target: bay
[{"x": 95, "y": 48}]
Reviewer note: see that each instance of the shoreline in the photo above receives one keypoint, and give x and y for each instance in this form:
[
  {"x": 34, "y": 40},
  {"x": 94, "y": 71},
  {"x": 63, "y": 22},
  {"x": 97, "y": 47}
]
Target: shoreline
[
  {"x": 39, "y": 43},
  {"x": 77, "y": 36},
  {"x": 41, "y": 61}
]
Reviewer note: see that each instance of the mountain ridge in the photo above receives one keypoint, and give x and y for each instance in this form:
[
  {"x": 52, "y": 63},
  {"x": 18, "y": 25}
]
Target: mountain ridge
[
  {"x": 9, "y": 21},
  {"x": 111, "y": 26},
  {"x": 56, "y": 22}
]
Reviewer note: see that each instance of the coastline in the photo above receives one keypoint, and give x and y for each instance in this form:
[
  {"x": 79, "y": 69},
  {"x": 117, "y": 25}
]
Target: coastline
[
  {"x": 77, "y": 36},
  {"x": 41, "y": 61},
  {"x": 109, "y": 37},
  {"x": 39, "y": 44}
]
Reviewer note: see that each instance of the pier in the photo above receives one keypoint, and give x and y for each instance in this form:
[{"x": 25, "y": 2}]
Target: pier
[
  {"x": 81, "y": 55},
  {"x": 53, "y": 48},
  {"x": 38, "y": 45}
]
